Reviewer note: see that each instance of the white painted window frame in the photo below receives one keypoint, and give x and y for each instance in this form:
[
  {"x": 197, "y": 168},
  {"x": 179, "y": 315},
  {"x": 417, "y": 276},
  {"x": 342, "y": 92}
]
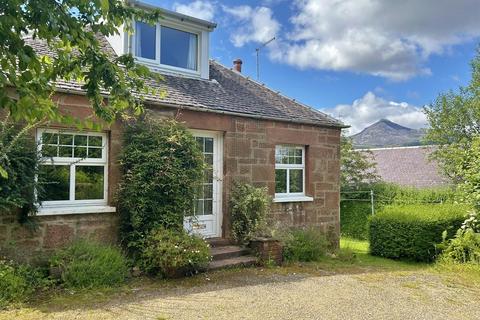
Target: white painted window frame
[
  {"x": 291, "y": 196},
  {"x": 157, "y": 63},
  {"x": 73, "y": 206}
]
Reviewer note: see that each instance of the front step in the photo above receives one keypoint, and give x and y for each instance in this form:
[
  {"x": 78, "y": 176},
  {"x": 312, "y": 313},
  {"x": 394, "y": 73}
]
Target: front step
[
  {"x": 227, "y": 252},
  {"x": 242, "y": 261},
  {"x": 227, "y": 255}
]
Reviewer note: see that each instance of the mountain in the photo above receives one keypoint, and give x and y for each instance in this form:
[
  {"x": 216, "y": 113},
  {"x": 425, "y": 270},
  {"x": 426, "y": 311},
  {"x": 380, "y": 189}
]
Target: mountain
[{"x": 386, "y": 133}]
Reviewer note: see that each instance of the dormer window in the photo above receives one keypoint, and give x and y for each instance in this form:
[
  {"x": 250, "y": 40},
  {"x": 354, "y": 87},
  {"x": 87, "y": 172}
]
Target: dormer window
[{"x": 166, "y": 46}]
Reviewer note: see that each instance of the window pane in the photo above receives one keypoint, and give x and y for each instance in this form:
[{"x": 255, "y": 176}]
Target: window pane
[
  {"x": 209, "y": 145},
  {"x": 89, "y": 182},
  {"x": 145, "y": 40},
  {"x": 95, "y": 153},
  {"x": 66, "y": 152},
  {"x": 66, "y": 139},
  {"x": 296, "y": 180},
  {"x": 209, "y": 159},
  {"x": 280, "y": 181},
  {"x": 199, "y": 207},
  {"x": 208, "y": 191},
  {"x": 80, "y": 140},
  {"x": 51, "y": 138},
  {"x": 207, "y": 207},
  {"x": 80, "y": 152},
  {"x": 49, "y": 151},
  {"x": 178, "y": 48},
  {"x": 94, "y": 141},
  {"x": 55, "y": 182}
]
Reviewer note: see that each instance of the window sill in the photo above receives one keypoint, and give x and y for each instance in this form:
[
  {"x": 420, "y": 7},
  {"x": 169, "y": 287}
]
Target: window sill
[
  {"x": 293, "y": 199},
  {"x": 53, "y": 211}
]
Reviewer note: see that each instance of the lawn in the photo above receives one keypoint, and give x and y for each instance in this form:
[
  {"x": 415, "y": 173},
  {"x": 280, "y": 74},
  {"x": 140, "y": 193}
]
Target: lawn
[{"x": 339, "y": 286}]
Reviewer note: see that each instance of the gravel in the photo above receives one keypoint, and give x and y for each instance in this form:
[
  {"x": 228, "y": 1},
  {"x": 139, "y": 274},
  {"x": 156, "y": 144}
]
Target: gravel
[{"x": 257, "y": 294}]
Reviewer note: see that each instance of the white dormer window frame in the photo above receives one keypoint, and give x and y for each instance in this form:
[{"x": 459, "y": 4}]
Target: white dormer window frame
[{"x": 156, "y": 63}]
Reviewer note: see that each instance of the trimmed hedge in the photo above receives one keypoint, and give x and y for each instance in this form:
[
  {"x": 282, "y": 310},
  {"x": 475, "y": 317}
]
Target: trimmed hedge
[{"x": 413, "y": 231}]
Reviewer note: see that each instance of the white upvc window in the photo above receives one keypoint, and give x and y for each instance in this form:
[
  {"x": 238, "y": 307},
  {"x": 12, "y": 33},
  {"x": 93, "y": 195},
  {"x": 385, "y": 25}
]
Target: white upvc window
[
  {"x": 290, "y": 173},
  {"x": 174, "y": 47},
  {"x": 73, "y": 169}
]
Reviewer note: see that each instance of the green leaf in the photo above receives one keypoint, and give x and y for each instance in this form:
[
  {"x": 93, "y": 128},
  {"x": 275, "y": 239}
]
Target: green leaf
[{"x": 3, "y": 173}]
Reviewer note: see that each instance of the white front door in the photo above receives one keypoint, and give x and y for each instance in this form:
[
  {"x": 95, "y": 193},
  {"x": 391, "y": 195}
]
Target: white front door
[{"x": 207, "y": 212}]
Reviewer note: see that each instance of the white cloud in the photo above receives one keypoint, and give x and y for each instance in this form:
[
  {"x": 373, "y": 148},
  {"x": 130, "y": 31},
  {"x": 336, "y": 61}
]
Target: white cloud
[
  {"x": 199, "y": 9},
  {"x": 256, "y": 24},
  {"x": 371, "y": 108},
  {"x": 391, "y": 39}
]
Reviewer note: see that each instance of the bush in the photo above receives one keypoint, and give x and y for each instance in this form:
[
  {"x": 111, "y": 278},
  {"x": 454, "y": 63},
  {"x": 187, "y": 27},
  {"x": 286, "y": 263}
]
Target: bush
[
  {"x": 18, "y": 282},
  {"x": 464, "y": 248},
  {"x": 413, "y": 231},
  {"x": 249, "y": 208},
  {"x": 304, "y": 245},
  {"x": 170, "y": 253},
  {"x": 162, "y": 167},
  {"x": 18, "y": 163},
  {"x": 86, "y": 264}
]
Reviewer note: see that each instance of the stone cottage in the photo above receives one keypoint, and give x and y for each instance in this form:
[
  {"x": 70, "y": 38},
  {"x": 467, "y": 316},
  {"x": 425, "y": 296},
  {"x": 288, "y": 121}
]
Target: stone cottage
[{"x": 247, "y": 131}]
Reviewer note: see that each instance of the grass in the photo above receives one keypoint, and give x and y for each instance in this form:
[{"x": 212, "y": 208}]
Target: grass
[{"x": 352, "y": 258}]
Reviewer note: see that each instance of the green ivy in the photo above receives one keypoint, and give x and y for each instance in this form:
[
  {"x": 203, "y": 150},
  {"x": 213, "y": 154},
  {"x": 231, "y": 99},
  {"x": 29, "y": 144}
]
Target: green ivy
[
  {"x": 162, "y": 167},
  {"x": 18, "y": 160}
]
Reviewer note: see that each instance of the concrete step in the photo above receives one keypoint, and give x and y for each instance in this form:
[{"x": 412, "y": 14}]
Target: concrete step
[
  {"x": 226, "y": 252},
  {"x": 242, "y": 261},
  {"x": 219, "y": 242}
]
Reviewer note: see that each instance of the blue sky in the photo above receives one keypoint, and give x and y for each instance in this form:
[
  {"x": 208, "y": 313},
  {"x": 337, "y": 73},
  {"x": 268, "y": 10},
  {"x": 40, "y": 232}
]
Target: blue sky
[{"x": 360, "y": 60}]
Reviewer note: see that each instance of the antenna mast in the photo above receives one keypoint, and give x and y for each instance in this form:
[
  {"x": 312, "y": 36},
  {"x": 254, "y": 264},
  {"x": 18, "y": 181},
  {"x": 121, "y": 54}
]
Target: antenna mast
[{"x": 257, "y": 50}]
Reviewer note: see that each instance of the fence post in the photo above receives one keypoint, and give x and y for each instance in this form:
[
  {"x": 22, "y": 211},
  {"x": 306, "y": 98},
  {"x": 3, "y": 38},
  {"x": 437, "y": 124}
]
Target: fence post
[{"x": 371, "y": 202}]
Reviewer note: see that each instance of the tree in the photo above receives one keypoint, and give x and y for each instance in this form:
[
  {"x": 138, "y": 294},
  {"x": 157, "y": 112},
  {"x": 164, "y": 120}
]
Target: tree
[
  {"x": 454, "y": 120},
  {"x": 71, "y": 29},
  {"x": 357, "y": 166}
]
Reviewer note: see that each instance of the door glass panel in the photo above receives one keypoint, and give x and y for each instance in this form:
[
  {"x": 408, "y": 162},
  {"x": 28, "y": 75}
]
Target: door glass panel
[{"x": 204, "y": 198}]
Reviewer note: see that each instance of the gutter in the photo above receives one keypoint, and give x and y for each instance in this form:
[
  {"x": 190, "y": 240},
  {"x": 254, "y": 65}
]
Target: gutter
[{"x": 201, "y": 109}]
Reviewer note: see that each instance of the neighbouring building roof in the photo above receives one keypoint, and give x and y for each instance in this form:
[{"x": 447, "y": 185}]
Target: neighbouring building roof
[
  {"x": 409, "y": 166},
  {"x": 226, "y": 91}
]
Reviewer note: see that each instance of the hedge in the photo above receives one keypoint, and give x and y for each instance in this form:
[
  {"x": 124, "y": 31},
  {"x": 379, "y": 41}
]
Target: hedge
[
  {"x": 356, "y": 210},
  {"x": 413, "y": 231}
]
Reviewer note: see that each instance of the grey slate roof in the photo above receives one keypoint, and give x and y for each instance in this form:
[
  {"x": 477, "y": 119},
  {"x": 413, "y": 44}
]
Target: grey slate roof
[
  {"x": 408, "y": 166},
  {"x": 227, "y": 92}
]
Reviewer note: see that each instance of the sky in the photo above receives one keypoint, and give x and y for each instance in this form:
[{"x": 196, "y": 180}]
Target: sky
[{"x": 358, "y": 60}]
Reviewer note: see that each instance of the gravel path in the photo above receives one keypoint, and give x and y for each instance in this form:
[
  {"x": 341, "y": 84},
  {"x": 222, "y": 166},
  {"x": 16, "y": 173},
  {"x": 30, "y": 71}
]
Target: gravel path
[{"x": 256, "y": 294}]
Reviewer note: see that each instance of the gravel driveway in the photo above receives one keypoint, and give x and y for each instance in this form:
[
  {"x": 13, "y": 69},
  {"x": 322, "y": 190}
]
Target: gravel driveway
[{"x": 269, "y": 294}]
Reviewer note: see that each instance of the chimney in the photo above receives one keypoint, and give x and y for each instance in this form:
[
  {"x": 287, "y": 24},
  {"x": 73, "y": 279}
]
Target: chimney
[{"x": 237, "y": 65}]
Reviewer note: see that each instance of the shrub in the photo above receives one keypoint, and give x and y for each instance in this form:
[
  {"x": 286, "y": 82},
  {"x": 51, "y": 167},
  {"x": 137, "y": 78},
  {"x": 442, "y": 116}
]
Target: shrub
[
  {"x": 413, "y": 231},
  {"x": 86, "y": 264},
  {"x": 464, "y": 248},
  {"x": 172, "y": 253},
  {"x": 162, "y": 167},
  {"x": 18, "y": 282},
  {"x": 249, "y": 208},
  {"x": 304, "y": 245},
  {"x": 18, "y": 163}
]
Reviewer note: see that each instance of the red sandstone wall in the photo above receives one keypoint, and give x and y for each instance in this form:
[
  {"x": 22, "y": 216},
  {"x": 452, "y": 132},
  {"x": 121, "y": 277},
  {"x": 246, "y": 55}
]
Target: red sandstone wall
[{"x": 249, "y": 155}]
